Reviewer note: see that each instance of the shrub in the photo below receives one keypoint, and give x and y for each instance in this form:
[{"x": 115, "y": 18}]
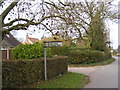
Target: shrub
[
  {"x": 87, "y": 56},
  {"x": 17, "y": 73},
  {"x": 64, "y": 50},
  {"x": 78, "y": 48},
  {"x": 30, "y": 51},
  {"x": 107, "y": 55}
]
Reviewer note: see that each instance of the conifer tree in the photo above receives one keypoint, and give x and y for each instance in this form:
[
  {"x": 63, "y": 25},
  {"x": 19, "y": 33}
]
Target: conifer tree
[{"x": 97, "y": 35}]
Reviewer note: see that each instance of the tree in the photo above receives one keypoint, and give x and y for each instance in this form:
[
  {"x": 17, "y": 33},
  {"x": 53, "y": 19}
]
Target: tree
[
  {"x": 97, "y": 33},
  {"x": 30, "y": 17},
  {"x": 78, "y": 16},
  {"x": 4, "y": 14},
  {"x": 66, "y": 19}
]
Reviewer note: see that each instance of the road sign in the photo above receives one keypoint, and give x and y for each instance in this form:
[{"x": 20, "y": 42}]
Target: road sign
[
  {"x": 52, "y": 44},
  {"x": 49, "y": 44}
]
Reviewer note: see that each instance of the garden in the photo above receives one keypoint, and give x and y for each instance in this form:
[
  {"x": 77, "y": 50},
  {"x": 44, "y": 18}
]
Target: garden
[
  {"x": 81, "y": 25},
  {"x": 27, "y": 66}
]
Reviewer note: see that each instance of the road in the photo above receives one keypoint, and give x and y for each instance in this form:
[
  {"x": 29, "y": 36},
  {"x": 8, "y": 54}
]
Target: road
[{"x": 100, "y": 76}]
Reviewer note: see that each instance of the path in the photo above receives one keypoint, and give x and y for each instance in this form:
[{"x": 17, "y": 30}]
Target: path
[{"x": 100, "y": 76}]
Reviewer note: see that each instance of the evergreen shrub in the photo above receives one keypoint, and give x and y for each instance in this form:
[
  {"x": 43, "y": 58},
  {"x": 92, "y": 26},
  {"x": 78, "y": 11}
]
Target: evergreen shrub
[
  {"x": 17, "y": 73},
  {"x": 87, "y": 56},
  {"x": 64, "y": 51},
  {"x": 30, "y": 51}
]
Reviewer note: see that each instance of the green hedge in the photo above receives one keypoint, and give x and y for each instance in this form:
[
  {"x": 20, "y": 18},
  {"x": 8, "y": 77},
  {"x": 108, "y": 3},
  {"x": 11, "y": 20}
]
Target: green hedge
[
  {"x": 64, "y": 50},
  {"x": 87, "y": 56},
  {"x": 16, "y": 73},
  {"x": 78, "y": 48}
]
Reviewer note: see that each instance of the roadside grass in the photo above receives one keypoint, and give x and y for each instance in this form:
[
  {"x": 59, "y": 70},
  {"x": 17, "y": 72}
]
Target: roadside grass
[
  {"x": 69, "y": 80},
  {"x": 105, "y": 62}
]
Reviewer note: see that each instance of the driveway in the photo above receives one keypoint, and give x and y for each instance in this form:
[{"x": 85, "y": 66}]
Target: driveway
[{"x": 100, "y": 76}]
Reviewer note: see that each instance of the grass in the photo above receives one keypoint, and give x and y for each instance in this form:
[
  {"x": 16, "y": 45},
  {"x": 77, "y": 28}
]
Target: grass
[
  {"x": 105, "y": 62},
  {"x": 70, "y": 80}
]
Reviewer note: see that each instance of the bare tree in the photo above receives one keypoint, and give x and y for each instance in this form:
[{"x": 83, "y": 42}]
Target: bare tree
[
  {"x": 79, "y": 15},
  {"x": 60, "y": 18}
]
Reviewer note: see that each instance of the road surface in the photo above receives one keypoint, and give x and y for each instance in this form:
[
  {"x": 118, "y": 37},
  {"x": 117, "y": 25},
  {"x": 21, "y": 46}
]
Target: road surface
[{"x": 100, "y": 76}]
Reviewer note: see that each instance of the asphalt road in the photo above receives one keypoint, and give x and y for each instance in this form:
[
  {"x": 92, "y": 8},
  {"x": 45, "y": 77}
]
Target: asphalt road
[{"x": 100, "y": 76}]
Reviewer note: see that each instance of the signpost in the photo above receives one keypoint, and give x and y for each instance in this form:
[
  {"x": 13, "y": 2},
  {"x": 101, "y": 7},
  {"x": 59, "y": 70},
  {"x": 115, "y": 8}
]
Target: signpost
[{"x": 49, "y": 44}]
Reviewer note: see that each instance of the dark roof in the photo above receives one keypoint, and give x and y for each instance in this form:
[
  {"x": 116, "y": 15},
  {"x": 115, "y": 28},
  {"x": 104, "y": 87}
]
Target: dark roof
[{"x": 9, "y": 41}]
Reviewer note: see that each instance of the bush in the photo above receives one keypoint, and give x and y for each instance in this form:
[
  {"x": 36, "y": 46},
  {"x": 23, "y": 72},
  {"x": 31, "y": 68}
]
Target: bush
[
  {"x": 64, "y": 50},
  {"x": 78, "y": 48},
  {"x": 107, "y": 55},
  {"x": 87, "y": 56},
  {"x": 17, "y": 73},
  {"x": 30, "y": 51}
]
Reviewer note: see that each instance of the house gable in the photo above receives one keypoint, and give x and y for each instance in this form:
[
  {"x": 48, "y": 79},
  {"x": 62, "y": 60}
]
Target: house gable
[
  {"x": 10, "y": 41},
  {"x": 29, "y": 40}
]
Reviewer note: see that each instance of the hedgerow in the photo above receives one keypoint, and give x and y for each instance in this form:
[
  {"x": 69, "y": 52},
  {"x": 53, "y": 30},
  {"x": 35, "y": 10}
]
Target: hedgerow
[
  {"x": 87, "y": 56},
  {"x": 30, "y": 51}
]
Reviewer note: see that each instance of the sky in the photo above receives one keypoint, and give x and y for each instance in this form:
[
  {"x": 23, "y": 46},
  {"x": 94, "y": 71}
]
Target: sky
[
  {"x": 113, "y": 34},
  {"x": 21, "y": 35}
]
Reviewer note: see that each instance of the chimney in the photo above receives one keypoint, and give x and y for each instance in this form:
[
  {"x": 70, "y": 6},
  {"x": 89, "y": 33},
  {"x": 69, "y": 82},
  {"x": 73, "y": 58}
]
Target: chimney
[
  {"x": 27, "y": 36},
  {"x": 26, "y": 40}
]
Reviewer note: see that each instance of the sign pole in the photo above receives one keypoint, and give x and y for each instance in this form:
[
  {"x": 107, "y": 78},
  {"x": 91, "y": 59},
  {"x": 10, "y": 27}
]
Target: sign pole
[
  {"x": 45, "y": 68},
  {"x": 49, "y": 44}
]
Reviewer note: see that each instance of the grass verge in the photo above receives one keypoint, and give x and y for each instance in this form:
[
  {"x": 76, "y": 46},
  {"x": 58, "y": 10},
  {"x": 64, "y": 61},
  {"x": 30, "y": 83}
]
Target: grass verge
[
  {"x": 105, "y": 62},
  {"x": 70, "y": 80}
]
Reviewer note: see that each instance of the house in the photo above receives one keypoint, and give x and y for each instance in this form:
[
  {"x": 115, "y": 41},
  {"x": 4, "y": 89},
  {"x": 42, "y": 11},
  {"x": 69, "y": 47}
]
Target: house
[
  {"x": 54, "y": 38},
  {"x": 66, "y": 42},
  {"x": 8, "y": 43},
  {"x": 29, "y": 40}
]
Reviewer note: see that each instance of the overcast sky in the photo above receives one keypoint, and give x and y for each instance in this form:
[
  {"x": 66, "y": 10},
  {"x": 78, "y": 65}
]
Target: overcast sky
[{"x": 113, "y": 34}]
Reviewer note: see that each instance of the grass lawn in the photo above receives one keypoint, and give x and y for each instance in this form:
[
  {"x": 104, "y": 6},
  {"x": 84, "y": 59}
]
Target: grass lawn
[
  {"x": 105, "y": 62},
  {"x": 70, "y": 80}
]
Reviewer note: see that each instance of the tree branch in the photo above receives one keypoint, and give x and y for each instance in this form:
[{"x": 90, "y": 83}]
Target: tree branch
[
  {"x": 13, "y": 21},
  {"x": 23, "y": 26},
  {"x": 8, "y": 9},
  {"x": 47, "y": 28}
]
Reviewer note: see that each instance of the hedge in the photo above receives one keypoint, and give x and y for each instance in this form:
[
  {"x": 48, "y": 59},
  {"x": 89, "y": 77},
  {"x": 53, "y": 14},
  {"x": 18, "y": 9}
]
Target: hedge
[
  {"x": 30, "y": 51},
  {"x": 64, "y": 51},
  {"x": 17, "y": 73},
  {"x": 87, "y": 56}
]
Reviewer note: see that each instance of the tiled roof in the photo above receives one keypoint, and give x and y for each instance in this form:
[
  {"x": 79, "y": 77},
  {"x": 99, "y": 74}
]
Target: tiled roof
[
  {"x": 30, "y": 40},
  {"x": 9, "y": 41},
  {"x": 33, "y": 40}
]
